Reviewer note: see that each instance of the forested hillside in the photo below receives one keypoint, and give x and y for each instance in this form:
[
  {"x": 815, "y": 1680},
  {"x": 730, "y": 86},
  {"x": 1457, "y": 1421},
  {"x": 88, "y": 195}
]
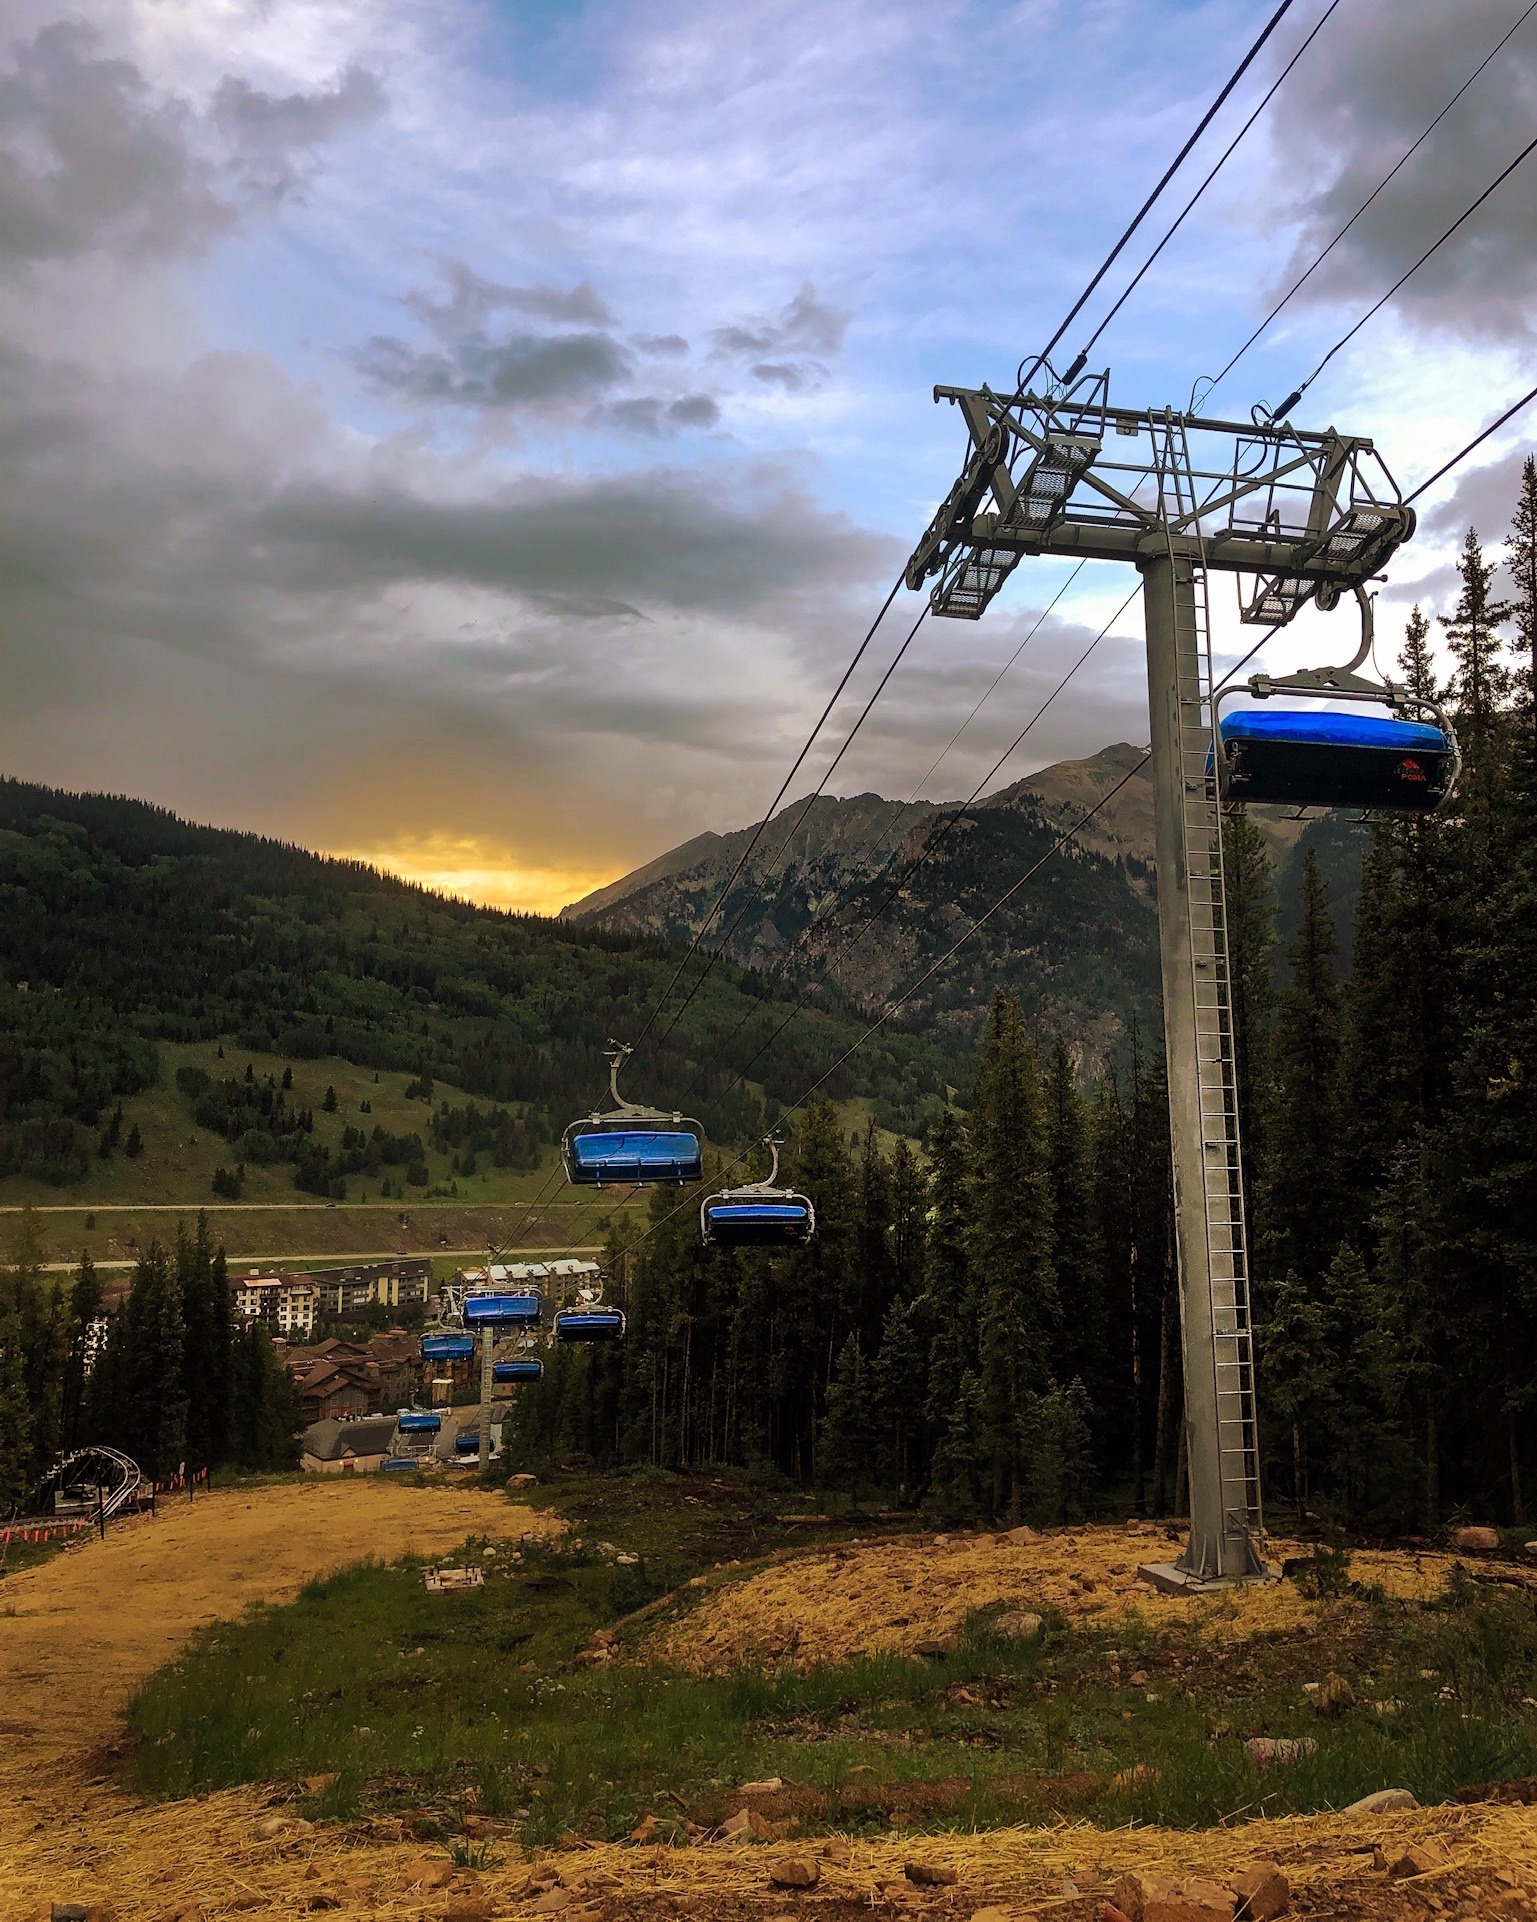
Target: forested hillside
[
  {"x": 995, "y": 1330},
  {"x": 122, "y": 927}
]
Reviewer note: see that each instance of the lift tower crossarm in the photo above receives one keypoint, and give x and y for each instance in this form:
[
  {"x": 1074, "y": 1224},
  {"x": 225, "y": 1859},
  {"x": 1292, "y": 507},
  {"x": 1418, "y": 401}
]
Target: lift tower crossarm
[{"x": 1310, "y": 515}]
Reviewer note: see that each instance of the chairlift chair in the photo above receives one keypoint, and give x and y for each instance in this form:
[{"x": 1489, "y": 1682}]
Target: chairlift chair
[
  {"x": 418, "y": 1421},
  {"x": 591, "y": 1323},
  {"x": 519, "y": 1369},
  {"x": 502, "y": 1310},
  {"x": 467, "y": 1442},
  {"x": 1298, "y": 755},
  {"x": 448, "y": 1347},
  {"x": 759, "y": 1215},
  {"x": 399, "y": 1464},
  {"x": 631, "y": 1144}
]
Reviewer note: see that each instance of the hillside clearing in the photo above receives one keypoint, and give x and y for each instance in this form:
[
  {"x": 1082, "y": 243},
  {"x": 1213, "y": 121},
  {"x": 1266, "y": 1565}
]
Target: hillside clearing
[
  {"x": 79, "y": 1635},
  {"x": 891, "y": 1597}
]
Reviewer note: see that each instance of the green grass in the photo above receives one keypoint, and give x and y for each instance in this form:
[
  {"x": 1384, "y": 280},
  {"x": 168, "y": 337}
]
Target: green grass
[{"x": 429, "y": 1703}]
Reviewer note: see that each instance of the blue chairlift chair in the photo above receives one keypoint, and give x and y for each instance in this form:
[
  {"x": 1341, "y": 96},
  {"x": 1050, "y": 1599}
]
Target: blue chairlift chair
[
  {"x": 1301, "y": 754},
  {"x": 759, "y": 1215},
  {"x": 631, "y": 1145}
]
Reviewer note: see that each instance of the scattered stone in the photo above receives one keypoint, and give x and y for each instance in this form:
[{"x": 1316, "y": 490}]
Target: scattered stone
[
  {"x": 272, "y": 1827},
  {"x": 552, "y": 1901},
  {"x": 1109, "y": 1913},
  {"x": 795, "y": 1872},
  {"x": 1020, "y": 1535},
  {"x": 1484, "y": 1541},
  {"x": 737, "y": 1824},
  {"x": 1384, "y": 1802},
  {"x": 836, "y": 1851},
  {"x": 936, "y": 1649},
  {"x": 1139, "y": 1678},
  {"x": 1269, "y": 1751},
  {"x": 468, "y": 1908},
  {"x": 645, "y": 1829},
  {"x": 1017, "y": 1625},
  {"x": 1420, "y": 1859},
  {"x": 522, "y": 1481},
  {"x": 929, "y": 1875},
  {"x": 1263, "y": 1893},
  {"x": 318, "y": 1784},
  {"x": 430, "y": 1875},
  {"x": 771, "y": 1785},
  {"x": 1160, "y": 1898},
  {"x": 1334, "y": 1694}
]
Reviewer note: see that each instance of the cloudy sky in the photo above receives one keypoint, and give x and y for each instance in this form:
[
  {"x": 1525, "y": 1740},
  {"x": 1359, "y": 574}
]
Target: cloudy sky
[{"x": 476, "y": 435}]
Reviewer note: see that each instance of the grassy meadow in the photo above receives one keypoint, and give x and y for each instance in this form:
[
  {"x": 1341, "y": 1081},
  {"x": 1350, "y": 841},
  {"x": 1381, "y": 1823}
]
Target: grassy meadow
[{"x": 396, "y": 1702}]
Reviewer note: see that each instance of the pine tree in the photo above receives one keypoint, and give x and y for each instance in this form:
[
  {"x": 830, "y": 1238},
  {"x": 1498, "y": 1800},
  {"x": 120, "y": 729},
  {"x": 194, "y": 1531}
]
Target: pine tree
[
  {"x": 1056, "y": 1441},
  {"x": 846, "y": 1433},
  {"x": 1009, "y": 1241},
  {"x": 1251, "y": 907},
  {"x": 1301, "y": 1187},
  {"x": 206, "y": 1312},
  {"x": 1077, "y": 1270},
  {"x": 15, "y": 1416},
  {"x": 85, "y": 1310}
]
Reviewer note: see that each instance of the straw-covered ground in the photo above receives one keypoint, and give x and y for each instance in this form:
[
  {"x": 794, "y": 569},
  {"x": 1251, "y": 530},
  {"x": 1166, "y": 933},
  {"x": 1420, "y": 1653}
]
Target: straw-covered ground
[
  {"x": 893, "y": 1596},
  {"x": 82, "y": 1634}
]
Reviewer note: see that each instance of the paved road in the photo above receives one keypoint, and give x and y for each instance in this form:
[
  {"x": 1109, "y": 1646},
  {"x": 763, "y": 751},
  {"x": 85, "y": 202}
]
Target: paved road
[{"x": 551, "y": 1251}]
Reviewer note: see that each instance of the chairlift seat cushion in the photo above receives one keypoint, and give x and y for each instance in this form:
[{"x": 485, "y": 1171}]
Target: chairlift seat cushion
[
  {"x": 1321, "y": 757},
  {"x": 634, "y": 1155},
  {"x": 525, "y": 1370},
  {"x": 589, "y": 1324},
  {"x": 519, "y": 1311},
  {"x": 447, "y": 1347},
  {"x": 757, "y": 1224},
  {"x": 415, "y": 1421}
]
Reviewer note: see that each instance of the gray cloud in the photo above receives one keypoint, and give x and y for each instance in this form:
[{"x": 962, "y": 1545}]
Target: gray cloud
[
  {"x": 804, "y": 328},
  {"x": 270, "y": 135},
  {"x": 1388, "y": 68},
  {"x": 646, "y": 414},
  {"x": 471, "y": 300},
  {"x": 670, "y": 345},
  {"x": 523, "y": 370},
  {"x": 92, "y": 161}
]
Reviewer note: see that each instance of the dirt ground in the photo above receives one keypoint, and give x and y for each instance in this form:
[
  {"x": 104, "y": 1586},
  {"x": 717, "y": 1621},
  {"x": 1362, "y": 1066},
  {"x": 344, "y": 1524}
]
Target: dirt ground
[
  {"x": 80, "y": 1632},
  {"x": 892, "y": 1595}
]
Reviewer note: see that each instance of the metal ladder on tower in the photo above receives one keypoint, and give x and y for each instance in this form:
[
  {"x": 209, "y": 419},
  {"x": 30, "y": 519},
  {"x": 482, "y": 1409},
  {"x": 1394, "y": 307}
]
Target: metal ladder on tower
[{"x": 1216, "y": 1054}]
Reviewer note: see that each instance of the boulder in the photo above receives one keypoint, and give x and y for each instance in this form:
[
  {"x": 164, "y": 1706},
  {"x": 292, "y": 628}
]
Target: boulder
[
  {"x": 1420, "y": 1859},
  {"x": 468, "y": 1908},
  {"x": 1019, "y": 1535},
  {"x": 522, "y": 1481},
  {"x": 737, "y": 1824},
  {"x": 795, "y": 1872},
  {"x": 1165, "y": 1898},
  {"x": 1017, "y": 1625},
  {"x": 770, "y": 1786},
  {"x": 929, "y": 1875},
  {"x": 1262, "y": 1892},
  {"x": 1270, "y": 1751},
  {"x": 1383, "y": 1802},
  {"x": 1479, "y": 1541},
  {"x": 1334, "y": 1694}
]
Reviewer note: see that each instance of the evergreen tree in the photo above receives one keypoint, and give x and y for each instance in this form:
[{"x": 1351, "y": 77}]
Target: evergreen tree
[
  {"x": 846, "y": 1433},
  {"x": 1009, "y": 1239},
  {"x": 1056, "y": 1441},
  {"x": 1077, "y": 1270},
  {"x": 1251, "y": 907},
  {"x": 15, "y": 1415},
  {"x": 1301, "y": 1185},
  {"x": 206, "y": 1312},
  {"x": 85, "y": 1311}
]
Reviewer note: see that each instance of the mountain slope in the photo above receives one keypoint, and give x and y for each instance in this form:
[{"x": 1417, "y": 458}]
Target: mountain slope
[
  {"x": 123, "y": 928},
  {"x": 1077, "y": 944}
]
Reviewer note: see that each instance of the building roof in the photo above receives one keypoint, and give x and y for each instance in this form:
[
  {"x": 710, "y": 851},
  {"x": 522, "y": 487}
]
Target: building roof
[
  {"x": 393, "y": 1348},
  {"x": 328, "y": 1375},
  {"x": 334, "y": 1441}
]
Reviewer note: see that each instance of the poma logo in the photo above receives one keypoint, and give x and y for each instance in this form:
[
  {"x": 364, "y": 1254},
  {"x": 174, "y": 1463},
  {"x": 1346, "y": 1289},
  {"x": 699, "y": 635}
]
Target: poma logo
[{"x": 1410, "y": 770}]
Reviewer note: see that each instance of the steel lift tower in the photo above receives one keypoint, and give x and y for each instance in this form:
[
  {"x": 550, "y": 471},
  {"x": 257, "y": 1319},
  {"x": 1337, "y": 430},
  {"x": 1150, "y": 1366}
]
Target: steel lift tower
[{"x": 1306, "y": 517}]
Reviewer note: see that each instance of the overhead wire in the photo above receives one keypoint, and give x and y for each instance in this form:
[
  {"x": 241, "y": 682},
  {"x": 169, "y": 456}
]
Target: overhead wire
[
  {"x": 746, "y": 854},
  {"x": 1477, "y": 441},
  {"x": 899, "y": 808},
  {"x": 1291, "y": 400},
  {"x": 923, "y": 979},
  {"x": 929, "y": 850},
  {"x": 1408, "y": 154},
  {"x": 1222, "y": 160},
  {"x": 848, "y": 741},
  {"x": 1023, "y": 378}
]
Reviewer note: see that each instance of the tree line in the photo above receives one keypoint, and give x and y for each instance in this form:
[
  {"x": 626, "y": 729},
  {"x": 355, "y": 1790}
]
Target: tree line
[
  {"x": 169, "y": 1375},
  {"x": 992, "y": 1327}
]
